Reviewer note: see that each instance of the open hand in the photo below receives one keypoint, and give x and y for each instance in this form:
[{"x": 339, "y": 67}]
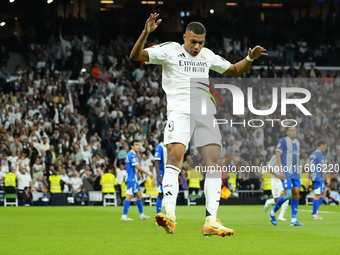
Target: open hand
[
  {"x": 257, "y": 52},
  {"x": 151, "y": 24}
]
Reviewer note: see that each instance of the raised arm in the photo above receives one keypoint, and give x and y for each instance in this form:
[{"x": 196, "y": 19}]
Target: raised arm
[
  {"x": 137, "y": 52},
  {"x": 240, "y": 67}
]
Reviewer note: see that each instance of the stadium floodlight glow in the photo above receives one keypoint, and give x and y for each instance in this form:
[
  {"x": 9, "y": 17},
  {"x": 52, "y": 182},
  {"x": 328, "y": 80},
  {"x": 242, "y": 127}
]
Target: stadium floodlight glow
[
  {"x": 11, "y": 1},
  {"x": 272, "y": 5},
  {"x": 148, "y": 2},
  {"x": 2, "y": 23},
  {"x": 212, "y": 11},
  {"x": 49, "y": 1},
  {"x": 106, "y": 2},
  {"x": 231, "y": 4},
  {"x": 160, "y": 2}
]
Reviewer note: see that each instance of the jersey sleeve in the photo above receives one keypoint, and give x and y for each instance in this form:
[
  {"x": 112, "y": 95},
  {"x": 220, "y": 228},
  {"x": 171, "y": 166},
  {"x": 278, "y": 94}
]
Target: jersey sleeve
[
  {"x": 219, "y": 64},
  {"x": 159, "y": 53},
  {"x": 158, "y": 153},
  {"x": 281, "y": 145},
  {"x": 133, "y": 159}
]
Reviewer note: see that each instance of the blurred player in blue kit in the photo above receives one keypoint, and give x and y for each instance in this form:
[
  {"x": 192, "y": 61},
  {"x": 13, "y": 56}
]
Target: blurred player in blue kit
[
  {"x": 132, "y": 186},
  {"x": 160, "y": 163},
  {"x": 317, "y": 173},
  {"x": 288, "y": 158}
]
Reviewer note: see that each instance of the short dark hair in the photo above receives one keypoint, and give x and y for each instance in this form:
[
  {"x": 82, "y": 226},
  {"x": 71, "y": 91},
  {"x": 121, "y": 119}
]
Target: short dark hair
[
  {"x": 132, "y": 143},
  {"x": 321, "y": 142},
  {"x": 196, "y": 27},
  {"x": 287, "y": 128}
]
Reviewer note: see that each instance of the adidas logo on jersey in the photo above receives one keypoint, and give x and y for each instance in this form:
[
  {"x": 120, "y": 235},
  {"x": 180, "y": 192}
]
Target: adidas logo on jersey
[
  {"x": 168, "y": 193},
  {"x": 181, "y": 55}
]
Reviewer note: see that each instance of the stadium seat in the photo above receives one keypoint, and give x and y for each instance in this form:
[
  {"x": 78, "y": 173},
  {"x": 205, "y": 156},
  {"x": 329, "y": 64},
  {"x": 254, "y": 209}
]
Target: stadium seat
[
  {"x": 151, "y": 200},
  {"x": 37, "y": 196},
  {"x": 11, "y": 196},
  {"x": 95, "y": 196},
  {"x": 310, "y": 198},
  {"x": 111, "y": 197},
  {"x": 189, "y": 197}
]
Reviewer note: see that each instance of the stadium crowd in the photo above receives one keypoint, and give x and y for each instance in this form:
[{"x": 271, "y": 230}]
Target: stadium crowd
[{"x": 77, "y": 106}]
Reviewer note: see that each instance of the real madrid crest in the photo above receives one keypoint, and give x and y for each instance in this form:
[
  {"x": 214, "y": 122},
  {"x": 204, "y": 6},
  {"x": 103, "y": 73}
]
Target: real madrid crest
[{"x": 170, "y": 137}]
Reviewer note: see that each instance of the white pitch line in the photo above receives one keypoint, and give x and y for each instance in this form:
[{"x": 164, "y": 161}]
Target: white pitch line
[{"x": 318, "y": 211}]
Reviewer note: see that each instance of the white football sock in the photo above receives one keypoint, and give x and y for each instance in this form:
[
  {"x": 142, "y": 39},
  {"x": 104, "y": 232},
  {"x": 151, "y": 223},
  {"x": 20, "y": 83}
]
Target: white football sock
[
  {"x": 271, "y": 201},
  {"x": 170, "y": 188},
  {"x": 284, "y": 207},
  {"x": 212, "y": 191}
]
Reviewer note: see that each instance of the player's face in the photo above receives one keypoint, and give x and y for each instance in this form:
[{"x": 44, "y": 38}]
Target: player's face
[
  {"x": 136, "y": 147},
  {"x": 193, "y": 43},
  {"x": 291, "y": 132},
  {"x": 323, "y": 148}
]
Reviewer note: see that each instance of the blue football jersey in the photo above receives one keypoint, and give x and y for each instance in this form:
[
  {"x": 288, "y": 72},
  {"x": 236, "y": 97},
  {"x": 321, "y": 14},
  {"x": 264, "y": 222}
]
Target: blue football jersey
[
  {"x": 130, "y": 161},
  {"x": 289, "y": 157},
  {"x": 161, "y": 156},
  {"x": 316, "y": 160}
]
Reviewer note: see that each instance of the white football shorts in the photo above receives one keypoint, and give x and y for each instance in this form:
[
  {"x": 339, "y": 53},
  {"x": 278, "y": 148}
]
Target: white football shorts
[
  {"x": 277, "y": 188},
  {"x": 183, "y": 126}
]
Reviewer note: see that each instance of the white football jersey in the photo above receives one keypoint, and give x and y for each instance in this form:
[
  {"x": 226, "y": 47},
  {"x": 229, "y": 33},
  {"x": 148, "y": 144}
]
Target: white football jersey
[
  {"x": 273, "y": 164},
  {"x": 178, "y": 68}
]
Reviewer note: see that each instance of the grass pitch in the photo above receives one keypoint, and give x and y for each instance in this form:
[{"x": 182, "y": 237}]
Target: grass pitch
[{"x": 98, "y": 230}]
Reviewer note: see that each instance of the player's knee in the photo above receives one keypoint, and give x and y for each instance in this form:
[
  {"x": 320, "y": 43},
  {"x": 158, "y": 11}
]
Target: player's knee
[
  {"x": 213, "y": 160},
  {"x": 288, "y": 195},
  {"x": 175, "y": 159}
]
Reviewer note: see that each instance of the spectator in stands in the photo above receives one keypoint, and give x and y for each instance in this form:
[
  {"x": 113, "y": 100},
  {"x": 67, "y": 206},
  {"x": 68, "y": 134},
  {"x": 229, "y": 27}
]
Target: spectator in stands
[
  {"x": 138, "y": 73},
  {"x": 24, "y": 179},
  {"x": 39, "y": 184},
  {"x": 76, "y": 183},
  {"x": 65, "y": 180},
  {"x": 86, "y": 155},
  {"x": 87, "y": 179},
  {"x": 26, "y": 197},
  {"x": 243, "y": 183},
  {"x": 38, "y": 169},
  {"x": 82, "y": 197}
]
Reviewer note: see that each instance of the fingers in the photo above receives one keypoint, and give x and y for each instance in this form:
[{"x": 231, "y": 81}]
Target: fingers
[
  {"x": 153, "y": 16},
  {"x": 158, "y": 22},
  {"x": 258, "y": 48}
]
